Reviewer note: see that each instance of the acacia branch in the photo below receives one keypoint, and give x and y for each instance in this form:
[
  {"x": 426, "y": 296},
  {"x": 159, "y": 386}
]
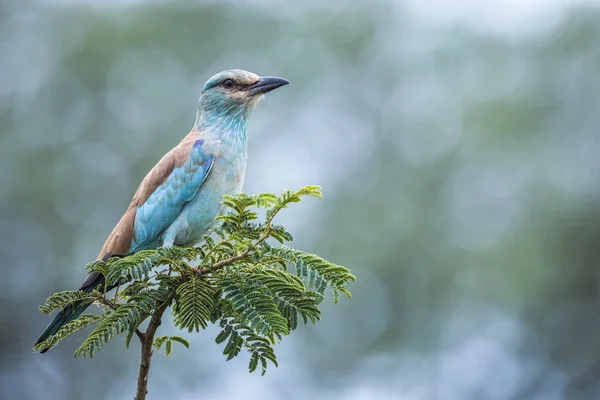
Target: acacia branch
[
  {"x": 147, "y": 340},
  {"x": 228, "y": 261}
]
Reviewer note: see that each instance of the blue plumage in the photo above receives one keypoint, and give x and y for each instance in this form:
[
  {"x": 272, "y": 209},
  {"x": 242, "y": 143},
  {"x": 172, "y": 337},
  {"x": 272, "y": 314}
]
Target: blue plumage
[
  {"x": 179, "y": 199},
  {"x": 165, "y": 203}
]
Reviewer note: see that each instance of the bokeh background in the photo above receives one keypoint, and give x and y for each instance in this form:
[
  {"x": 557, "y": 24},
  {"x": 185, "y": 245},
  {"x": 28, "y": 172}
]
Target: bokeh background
[{"x": 457, "y": 143}]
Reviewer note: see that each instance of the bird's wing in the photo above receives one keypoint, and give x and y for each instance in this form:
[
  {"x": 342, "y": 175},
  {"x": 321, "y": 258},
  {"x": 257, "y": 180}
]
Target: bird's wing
[
  {"x": 158, "y": 200},
  {"x": 174, "y": 181}
]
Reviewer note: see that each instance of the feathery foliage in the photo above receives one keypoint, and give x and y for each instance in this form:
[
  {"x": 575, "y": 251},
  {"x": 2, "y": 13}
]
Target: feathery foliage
[
  {"x": 62, "y": 299},
  {"x": 168, "y": 342},
  {"x": 70, "y": 328},
  {"x": 242, "y": 277}
]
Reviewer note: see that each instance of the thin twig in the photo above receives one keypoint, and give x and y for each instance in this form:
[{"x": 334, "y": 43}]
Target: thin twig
[
  {"x": 117, "y": 291},
  {"x": 147, "y": 343},
  {"x": 213, "y": 249},
  {"x": 228, "y": 261}
]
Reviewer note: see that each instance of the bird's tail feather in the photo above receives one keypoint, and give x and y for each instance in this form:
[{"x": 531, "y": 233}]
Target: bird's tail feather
[{"x": 72, "y": 311}]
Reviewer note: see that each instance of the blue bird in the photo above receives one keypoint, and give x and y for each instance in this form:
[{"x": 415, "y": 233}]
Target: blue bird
[{"x": 179, "y": 199}]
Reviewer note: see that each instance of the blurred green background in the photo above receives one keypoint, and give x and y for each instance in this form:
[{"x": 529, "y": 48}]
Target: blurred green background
[{"x": 457, "y": 143}]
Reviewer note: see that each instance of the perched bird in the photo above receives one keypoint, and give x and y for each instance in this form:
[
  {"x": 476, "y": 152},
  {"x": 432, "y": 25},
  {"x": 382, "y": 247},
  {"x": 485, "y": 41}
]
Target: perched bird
[{"x": 179, "y": 199}]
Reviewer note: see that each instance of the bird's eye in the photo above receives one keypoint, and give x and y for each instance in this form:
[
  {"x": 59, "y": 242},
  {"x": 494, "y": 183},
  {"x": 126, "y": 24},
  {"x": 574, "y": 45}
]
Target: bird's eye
[{"x": 228, "y": 83}]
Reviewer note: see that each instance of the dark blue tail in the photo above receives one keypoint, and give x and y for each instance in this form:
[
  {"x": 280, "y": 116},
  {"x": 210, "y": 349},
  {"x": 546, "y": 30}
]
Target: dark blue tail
[{"x": 72, "y": 311}]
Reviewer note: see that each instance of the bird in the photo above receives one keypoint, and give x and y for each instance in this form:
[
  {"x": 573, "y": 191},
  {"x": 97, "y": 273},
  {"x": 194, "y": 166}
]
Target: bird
[{"x": 179, "y": 199}]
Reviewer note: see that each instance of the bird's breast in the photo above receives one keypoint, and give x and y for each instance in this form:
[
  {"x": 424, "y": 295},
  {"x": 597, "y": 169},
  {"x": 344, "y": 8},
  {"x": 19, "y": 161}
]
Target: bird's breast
[
  {"x": 226, "y": 177},
  {"x": 232, "y": 169}
]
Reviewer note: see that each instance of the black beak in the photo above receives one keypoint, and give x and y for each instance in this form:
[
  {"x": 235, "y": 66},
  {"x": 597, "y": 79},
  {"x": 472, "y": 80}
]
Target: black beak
[{"x": 267, "y": 83}]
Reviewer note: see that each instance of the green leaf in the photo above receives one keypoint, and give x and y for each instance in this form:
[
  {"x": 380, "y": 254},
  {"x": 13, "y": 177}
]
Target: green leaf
[
  {"x": 159, "y": 341},
  {"x": 194, "y": 304},
  {"x": 115, "y": 323},
  {"x": 68, "y": 329},
  {"x": 62, "y": 299},
  {"x": 292, "y": 197},
  {"x": 253, "y": 361},
  {"x": 316, "y": 272},
  {"x": 139, "y": 265},
  {"x": 254, "y": 305},
  {"x": 181, "y": 340},
  {"x": 221, "y": 337},
  {"x": 97, "y": 266},
  {"x": 240, "y": 336}
]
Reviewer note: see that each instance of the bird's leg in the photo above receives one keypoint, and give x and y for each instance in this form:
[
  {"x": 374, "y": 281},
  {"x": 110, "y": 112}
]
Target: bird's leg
[{"x": 168, "y": 243}]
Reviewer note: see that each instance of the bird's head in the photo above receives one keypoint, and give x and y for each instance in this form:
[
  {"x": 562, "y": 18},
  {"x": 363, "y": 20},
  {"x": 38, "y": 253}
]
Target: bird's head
[{"x": 234, "y": 93}]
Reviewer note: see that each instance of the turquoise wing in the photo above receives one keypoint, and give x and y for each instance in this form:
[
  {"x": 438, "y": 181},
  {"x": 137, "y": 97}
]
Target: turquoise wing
[{"x": 166, "y": 202}]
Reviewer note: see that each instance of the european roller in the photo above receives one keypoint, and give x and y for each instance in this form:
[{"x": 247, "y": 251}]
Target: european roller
[{"x": 179, "y": 199}]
